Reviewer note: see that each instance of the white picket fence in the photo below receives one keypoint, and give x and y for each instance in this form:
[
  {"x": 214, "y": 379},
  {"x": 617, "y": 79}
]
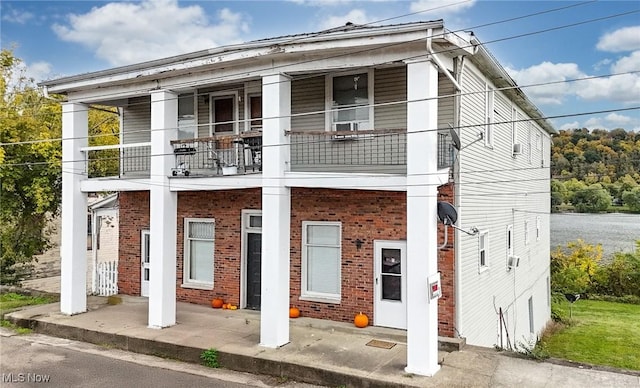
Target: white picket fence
[{"x": 108, "y": 278}]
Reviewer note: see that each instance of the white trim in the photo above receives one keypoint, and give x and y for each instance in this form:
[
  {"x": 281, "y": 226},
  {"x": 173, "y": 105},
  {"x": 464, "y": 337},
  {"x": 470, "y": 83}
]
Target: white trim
[
  {"x": 489, "y": 114},
  {"x": 538, "y": 227},
  {"x": 527, "y": 237},
  {"x": 251, "y": 89},
  {"x": 187, "y": 282},
  {"x": 318, "y": 296},
  {"x": 218, "y": 96},
  {"x": 246, "y": 229},
  {"x": 483, "y": 237},
  {"x": 329, "y": 96}
]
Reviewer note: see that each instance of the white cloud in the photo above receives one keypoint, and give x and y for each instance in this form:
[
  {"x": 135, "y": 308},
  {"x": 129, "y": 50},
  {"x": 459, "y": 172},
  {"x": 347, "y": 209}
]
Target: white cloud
[
  {"x": 15, "y": 16},
  {"x": 623, "y": 39},
  {"x": 321, "y": 3},
  {"x": 38, "y": 71},
  {"x": 125, "y": 33},
  {"x": 356, "y": 16},
  {"x": 571, "y": 125},
  {"x": 441, "y": 7},
  {"x": 623, "y": 89},
  {"x": 546, "y": 72},
  {"x": 627, "y": 64},
  {"x": 619, "y": 119}
]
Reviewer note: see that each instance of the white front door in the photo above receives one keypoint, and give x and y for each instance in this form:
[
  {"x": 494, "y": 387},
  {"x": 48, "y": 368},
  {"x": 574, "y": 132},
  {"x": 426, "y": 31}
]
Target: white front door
[
  {"x": 144, "y": 259},
  {"x": 390, "y": 296}
]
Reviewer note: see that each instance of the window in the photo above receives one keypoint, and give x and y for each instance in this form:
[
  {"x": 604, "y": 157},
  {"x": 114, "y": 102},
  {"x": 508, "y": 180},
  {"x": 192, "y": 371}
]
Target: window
[
  {"x": 187, "y": 128},
  {"x": 531, "y": 326},
  {"x": 538, "y": 227},
  {"x": 321, "y": 256},
  {"x": 89, "y": 232},
  {"x": 514, "y": 131},
  {"x": 510, "y": 240},
  {"x": 526, "y": 232},
  {"x": 223, "y": 112},
  {"x": 349, "y": 98},
  {"x": 489, "y": 115},
  {"x": 255, "y": 112},
  {"x": 198, "y": 252},
  {"x": 483, "y": 251}
]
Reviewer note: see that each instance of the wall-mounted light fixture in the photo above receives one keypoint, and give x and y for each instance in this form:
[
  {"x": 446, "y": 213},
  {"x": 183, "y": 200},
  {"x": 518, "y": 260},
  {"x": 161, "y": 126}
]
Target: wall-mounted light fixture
[{"x": 358, "y": 243}]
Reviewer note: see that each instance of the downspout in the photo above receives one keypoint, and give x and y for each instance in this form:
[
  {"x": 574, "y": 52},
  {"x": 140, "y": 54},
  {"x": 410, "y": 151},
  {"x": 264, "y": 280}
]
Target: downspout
[
  {"x": 458, "y": 66},
  {"x": 438, "y": 62}
]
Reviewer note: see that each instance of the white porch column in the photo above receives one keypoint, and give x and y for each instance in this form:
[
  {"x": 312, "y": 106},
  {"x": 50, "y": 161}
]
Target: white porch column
[
  {"x": 276, "y": 211},
  {"x": 422, "y": 252},
  {"x": 163, "y": 208},
  {"x": 73, "y": 243}
]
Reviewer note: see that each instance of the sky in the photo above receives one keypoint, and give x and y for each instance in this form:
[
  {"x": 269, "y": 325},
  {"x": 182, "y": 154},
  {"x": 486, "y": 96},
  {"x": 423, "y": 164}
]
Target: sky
[{"x": 538, "y": 42}]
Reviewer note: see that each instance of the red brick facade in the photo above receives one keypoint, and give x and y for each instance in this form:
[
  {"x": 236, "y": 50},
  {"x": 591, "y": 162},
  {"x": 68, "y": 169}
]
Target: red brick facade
[{"x": 365, "y": 215}]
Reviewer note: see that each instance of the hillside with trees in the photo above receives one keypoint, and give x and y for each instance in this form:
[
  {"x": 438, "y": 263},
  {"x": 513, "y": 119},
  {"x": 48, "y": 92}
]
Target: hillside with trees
[{"x": 591, "y": 170}]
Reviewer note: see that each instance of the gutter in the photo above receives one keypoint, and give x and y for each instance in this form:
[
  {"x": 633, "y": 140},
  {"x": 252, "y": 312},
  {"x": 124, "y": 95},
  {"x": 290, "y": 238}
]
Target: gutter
[{"x": 438, "y": 62}]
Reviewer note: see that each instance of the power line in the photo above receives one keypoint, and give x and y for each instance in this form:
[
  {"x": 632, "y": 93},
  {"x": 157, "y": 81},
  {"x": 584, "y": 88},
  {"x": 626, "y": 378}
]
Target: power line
[
  {"x": 311, "y": 113},
  {"x": 212, "y": 79}
]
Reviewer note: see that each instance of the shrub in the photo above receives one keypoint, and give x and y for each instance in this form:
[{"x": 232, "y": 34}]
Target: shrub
[
  {"x": 573, "y": 267},
  {"x": 631, "y": 198}
]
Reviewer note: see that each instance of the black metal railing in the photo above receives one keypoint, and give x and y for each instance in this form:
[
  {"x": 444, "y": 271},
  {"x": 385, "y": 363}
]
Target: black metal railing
[
  {"x": 218, "y": 155},
  {"x": 118, "y": 161},
  {"x": 349, "y": 151}
]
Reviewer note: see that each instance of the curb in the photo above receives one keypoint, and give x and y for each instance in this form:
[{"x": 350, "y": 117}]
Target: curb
[{"x": 231, "y": 361}]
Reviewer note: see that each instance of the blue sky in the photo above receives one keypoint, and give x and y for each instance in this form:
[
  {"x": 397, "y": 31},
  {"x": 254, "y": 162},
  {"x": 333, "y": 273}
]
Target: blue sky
[{"x": 549, "y": 41}]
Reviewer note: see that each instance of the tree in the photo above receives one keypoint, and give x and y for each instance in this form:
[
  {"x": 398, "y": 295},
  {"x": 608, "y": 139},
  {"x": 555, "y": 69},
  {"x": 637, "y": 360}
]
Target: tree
[
  {"x": 30, "y": 169},
  {"x": 631, "y": 198},
  {"x": 592, "y": 199},
  {"x": 558, "y": 193}
]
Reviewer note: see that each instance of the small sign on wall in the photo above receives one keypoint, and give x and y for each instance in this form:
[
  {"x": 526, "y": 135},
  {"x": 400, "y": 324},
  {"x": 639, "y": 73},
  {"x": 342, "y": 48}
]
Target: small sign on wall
[{"x": 435, "y": 287}]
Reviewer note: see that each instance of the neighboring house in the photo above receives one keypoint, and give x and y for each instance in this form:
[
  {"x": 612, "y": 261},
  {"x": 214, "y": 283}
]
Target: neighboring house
[{"x": 305, "y": 170}]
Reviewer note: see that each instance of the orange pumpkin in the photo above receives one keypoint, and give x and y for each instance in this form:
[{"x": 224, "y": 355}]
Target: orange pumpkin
[
  {"x": 217, "y": 303},
  {"x": 225, "y": 306},
  {"x": 361, "y": 320},
  {"x": 294, "y": 312}
]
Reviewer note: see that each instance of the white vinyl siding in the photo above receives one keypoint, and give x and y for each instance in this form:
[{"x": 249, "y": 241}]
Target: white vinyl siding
[
  {"x": 489, "y": 115},
  {"x": 390, "y": 88},
  {"x": 321, "y": 257},
  {"x": 307, "y": 96},
  {"x": 136, "y": 120},
  {"x": 199, "y": 244},
  {"x": 497, "y": 189}
]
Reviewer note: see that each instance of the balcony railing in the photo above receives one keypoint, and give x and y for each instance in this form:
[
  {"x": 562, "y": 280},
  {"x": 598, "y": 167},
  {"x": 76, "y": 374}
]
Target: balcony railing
[
  {"x": 119, "y": 160},
  {"x": 218, "y": 155}
]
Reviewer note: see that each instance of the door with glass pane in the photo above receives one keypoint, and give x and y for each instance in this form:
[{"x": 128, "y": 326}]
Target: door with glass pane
[
  {"x": 390, "y": 283},
  {"x": 144, "y": 259}
]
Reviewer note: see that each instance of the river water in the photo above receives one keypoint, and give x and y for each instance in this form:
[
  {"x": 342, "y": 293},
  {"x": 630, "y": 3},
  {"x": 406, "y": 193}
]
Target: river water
[{"x": 615, "y": 231}]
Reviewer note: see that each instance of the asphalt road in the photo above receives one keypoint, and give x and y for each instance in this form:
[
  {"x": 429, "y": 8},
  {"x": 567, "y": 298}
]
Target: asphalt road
[{"x": 36, "y": 360}]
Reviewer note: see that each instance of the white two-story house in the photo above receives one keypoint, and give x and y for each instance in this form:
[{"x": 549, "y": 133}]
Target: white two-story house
[{"x": 306, "y": 171}]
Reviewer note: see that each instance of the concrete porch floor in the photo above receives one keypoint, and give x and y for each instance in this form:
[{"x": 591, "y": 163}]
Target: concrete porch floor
[{"x": 319, "y": 352}]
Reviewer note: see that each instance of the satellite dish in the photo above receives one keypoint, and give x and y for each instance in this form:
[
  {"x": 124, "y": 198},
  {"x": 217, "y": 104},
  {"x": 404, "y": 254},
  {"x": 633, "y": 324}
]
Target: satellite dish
[
  {"x": 447, "y": 214},
  {"x": 455, "y": 139}
]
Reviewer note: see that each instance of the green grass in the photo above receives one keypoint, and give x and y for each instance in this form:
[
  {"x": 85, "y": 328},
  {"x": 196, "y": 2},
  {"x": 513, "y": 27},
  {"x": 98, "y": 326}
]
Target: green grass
[
  {"x": 12, "y": 300},
  {"x": 601, "y": 333}
]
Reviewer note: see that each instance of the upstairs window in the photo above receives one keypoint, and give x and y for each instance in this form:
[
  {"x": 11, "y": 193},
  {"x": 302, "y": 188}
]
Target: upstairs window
[
  {"x": 489, "y": 115},
  {"x": 187, "y": 128},
  {"x": 349, "y": 99}
]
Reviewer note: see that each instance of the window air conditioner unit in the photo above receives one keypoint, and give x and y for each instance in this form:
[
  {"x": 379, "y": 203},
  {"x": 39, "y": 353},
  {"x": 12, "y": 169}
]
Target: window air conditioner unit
[
  {"x": 345, "y": 126},
  {"x": 517, "y": 149},
  {"x": 513, "y": 262}
]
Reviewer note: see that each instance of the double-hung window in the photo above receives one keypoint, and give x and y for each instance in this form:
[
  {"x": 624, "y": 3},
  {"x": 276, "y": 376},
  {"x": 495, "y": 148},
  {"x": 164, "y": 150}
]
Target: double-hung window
[
  {"x": 483, "y": 251},
  {"x": 198, "y": 252},
  {"x": 321, "y": 256},
  {"x": 489, "y": 115},
  {"x": 187, "y": 128},
  {"x": 349, "y": 98}
]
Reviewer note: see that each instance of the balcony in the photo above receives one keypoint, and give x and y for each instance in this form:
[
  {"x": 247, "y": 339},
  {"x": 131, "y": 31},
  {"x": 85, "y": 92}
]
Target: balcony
[
  {"x": 374, "y": 151},
  {"x": 218, "y": 155},
  {"x": 371, "y": 151}
]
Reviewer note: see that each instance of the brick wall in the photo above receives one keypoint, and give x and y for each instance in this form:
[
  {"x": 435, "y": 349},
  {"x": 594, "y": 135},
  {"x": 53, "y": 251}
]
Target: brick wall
[{"x": 365, "y": 215}]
